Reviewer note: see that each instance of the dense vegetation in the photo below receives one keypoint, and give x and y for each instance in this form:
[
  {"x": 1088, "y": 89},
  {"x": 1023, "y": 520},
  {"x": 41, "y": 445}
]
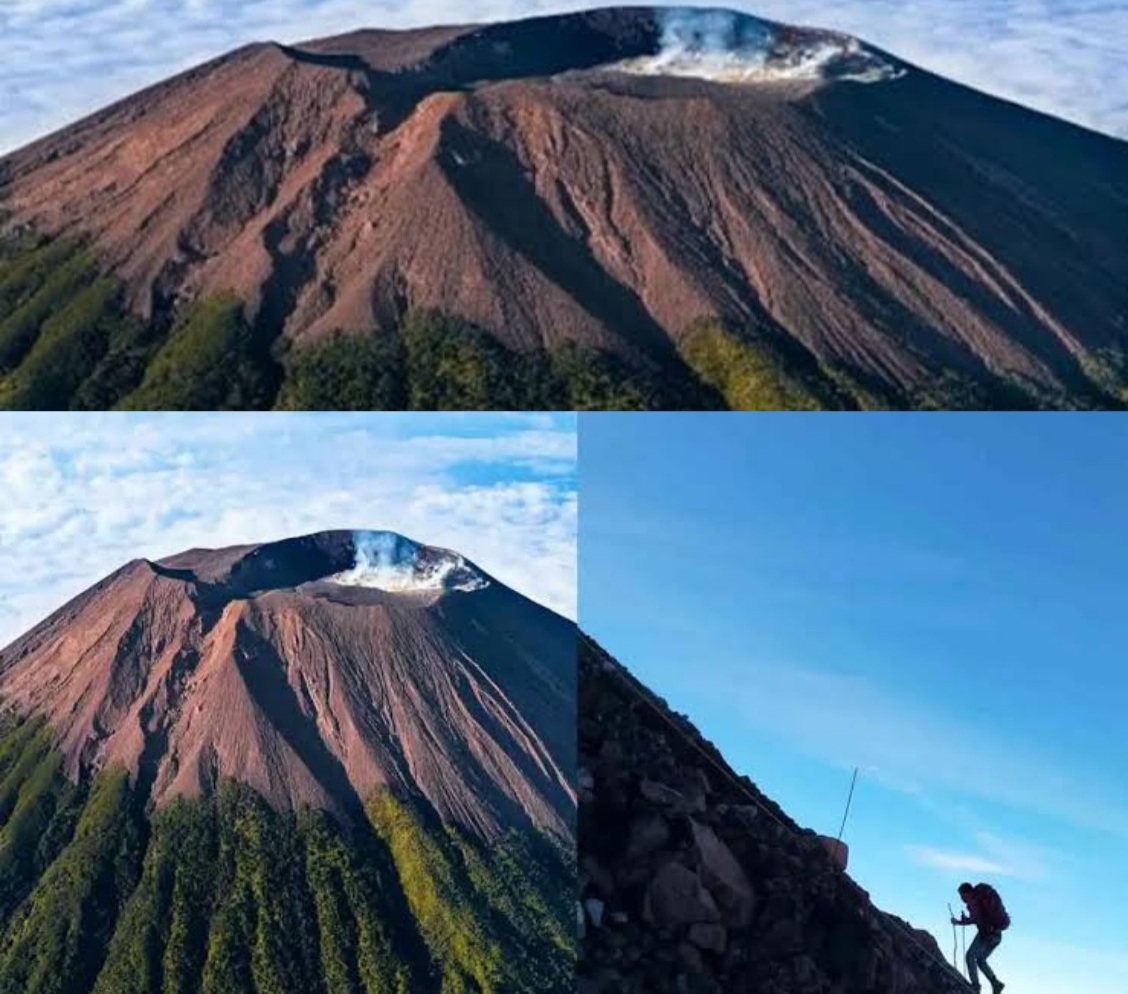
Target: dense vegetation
[
  {"x": 753, "y": 376},
  {"x": 224, "y": 895},
  {"x": 67, "y": 342},
  {"x": 436, "y": 363},
  {"x": 209, "y": 362},
  {"x": 495, "y": 922}
]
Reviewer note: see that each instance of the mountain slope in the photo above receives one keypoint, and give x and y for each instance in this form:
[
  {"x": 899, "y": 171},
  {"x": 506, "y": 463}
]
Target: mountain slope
[
  {"x": 693, "y": 880},
  {"x": 614, "y": 179},
  {"x": 340, "y": 763}
]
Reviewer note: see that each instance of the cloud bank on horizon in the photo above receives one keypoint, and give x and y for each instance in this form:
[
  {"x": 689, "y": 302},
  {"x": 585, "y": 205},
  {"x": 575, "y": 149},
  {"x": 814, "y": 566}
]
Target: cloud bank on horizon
[
  {"x": 66, "y": 58},
  {"x": 80, "y": 495}
]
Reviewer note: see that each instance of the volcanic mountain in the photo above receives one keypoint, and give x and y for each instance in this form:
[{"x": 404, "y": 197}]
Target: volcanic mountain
[
  {"x": 694, "y": 880},
  {"x": 337, "y": 763},
  {"x": 617, "y": 207}
]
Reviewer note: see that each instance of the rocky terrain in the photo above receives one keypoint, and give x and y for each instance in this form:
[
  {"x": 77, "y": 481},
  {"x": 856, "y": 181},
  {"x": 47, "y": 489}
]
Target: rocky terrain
[
  {"x": 692, "y": 881},
  {"x": 336, "y": 764},
  {"x": 614, "y": 180}
]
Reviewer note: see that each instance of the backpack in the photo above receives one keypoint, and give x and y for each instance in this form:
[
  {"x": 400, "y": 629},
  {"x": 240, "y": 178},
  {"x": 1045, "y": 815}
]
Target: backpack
[{"x": 991, "y": 905}]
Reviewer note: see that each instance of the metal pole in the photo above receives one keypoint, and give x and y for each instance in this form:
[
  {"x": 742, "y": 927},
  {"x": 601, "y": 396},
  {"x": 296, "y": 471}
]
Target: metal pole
[
  {"x": 955, "y": 942},
  {"x": 842, "y": 828}
]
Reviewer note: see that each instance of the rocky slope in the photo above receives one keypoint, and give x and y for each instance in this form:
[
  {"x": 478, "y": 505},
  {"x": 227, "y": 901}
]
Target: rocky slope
[
  {"x": 694, "y": 881},
  {"x": 614, "y": 178},
  {"x": 339, "y": 764}
]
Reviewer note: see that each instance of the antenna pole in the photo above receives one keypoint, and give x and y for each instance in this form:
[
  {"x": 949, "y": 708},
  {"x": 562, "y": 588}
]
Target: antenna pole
[{"x": 846, "y": 813}]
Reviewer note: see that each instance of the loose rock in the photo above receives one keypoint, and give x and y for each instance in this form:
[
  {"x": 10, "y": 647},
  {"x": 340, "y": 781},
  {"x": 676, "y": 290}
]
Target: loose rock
[{"x": 705, "y": 886}]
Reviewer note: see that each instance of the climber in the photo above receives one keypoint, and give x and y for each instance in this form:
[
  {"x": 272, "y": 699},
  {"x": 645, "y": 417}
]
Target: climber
[{"x": 986, "y": 912}]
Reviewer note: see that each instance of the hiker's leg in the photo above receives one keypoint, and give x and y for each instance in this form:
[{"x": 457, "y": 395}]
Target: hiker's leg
[
  {"x": 989, "y": 946},
  {"x": 973, "y": 962}
]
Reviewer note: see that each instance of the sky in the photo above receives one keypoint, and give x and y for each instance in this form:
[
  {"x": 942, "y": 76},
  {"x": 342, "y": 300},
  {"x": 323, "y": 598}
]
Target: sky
[
  {"x": 80, "y": 495},
  {"x": 66, "y": 58},
  {"x": 937, "y": 600}
]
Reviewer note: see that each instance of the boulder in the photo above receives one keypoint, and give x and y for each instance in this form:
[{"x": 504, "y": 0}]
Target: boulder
[
  {"x": 722, "y": 874},
  {"x": 676, "y": 896},
  {"x": 708, "y": 936},
  {"x": 838, "y": 851}
]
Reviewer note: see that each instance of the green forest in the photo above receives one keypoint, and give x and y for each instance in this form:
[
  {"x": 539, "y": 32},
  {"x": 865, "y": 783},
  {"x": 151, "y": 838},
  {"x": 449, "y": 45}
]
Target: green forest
[
  {"x": 68, "y": 343},
  {"x": 224, "y": 895}
]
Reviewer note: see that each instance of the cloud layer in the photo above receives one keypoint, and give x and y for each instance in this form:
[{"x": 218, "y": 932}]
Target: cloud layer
[
  {"x": 66, "y": 58},
  {"x": 81, "y": 495}
]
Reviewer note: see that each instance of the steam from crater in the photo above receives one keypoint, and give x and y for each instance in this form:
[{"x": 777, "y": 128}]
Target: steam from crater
[
  {"x": 387, "y": 561},
  {"x": 724, "y": 46}
]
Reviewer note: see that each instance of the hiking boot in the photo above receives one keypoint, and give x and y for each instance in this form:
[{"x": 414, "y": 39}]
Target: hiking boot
[{"x": 997, "y": 987}]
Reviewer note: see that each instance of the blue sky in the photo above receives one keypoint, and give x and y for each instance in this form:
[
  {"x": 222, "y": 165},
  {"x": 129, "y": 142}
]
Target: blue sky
[
  {"x": 66, "y": 58},
  {"x": 82, "y": 494},
  {"x": 938, "y": 600}
]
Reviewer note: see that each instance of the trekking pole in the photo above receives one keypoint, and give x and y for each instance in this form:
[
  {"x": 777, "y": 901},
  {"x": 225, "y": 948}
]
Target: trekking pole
[
  {"x": 955, "y": 942},
  {"x": 963, "y": 944}
]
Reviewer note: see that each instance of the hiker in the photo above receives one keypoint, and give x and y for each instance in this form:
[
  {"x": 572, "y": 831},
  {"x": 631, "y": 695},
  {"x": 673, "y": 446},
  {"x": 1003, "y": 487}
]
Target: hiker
[{"x": 986, "y": 912}]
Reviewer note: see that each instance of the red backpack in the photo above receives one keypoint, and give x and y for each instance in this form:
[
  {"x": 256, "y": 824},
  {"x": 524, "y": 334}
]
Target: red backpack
[{"x": 991, "y": 906}]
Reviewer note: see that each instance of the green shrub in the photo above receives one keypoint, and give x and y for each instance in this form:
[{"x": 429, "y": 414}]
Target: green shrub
[
  {"x": 69, "y": 345},
  {"x": 20, "y": 325},
  {"x": 452, "y": 366},
  {"x": 597, "y": 381},
  {"x": 208, "y": 362},
  {"x": 27, "y": 264},
  {"x": 345, "y": 373},
  {"x": 749, "y": 376},
  {"x": 56, "y": 944}
]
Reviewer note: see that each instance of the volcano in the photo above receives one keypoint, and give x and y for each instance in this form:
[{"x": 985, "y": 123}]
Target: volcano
[
  {"x": 703, "y": 207},
  {"x": 342, "y": 762},
  {"x": 707, "y": 882}
]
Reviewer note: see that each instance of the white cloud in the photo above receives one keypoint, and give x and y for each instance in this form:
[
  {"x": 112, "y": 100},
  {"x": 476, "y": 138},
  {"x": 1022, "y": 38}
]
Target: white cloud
[
  {"x": 942, "y": 859},
  {"x": 81, "y": 495},
  {"x": 65, "y": 58},
  {"x": 994, "y": 856}
]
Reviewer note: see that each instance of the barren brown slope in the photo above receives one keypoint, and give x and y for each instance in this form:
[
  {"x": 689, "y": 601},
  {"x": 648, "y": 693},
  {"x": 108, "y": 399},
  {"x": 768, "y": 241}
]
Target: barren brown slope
[
  {"x": 509, "y": 176},
  {"x": 256, "y": 665}
]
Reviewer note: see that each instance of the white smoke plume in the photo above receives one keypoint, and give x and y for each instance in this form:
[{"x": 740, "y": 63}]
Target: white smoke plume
[
  {"x": 724, "y": 46},
  {"x": 387, "y": 561}
]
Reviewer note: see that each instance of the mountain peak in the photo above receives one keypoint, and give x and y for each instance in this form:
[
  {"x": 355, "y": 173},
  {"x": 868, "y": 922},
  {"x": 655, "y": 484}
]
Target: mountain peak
[
  {"x": 712, "y": 43},
  {"x": 319, "y": 671},
  {"x": 703, "y": 206},
  {"x": 380, "y": 560}
]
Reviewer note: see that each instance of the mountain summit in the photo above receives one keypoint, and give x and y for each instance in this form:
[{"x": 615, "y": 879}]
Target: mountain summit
[
  {"x": 318, "y": 671},
  {"x": 704, "y": 207},
  {"x": 336, "y": 764}
]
